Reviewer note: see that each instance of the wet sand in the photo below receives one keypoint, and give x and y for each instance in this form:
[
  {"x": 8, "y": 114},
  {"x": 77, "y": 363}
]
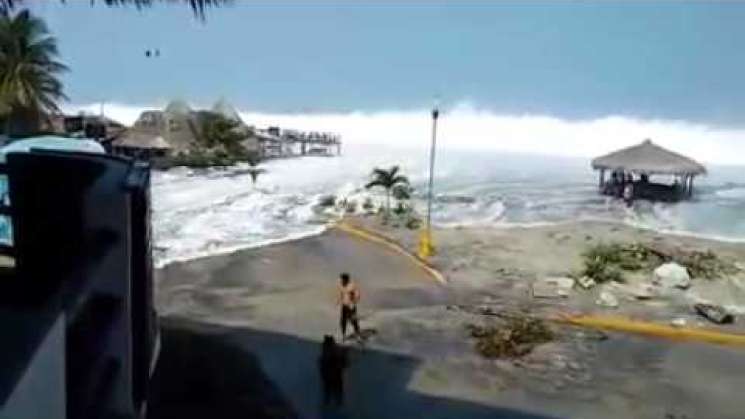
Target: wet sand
[{"x": 274, "y": 304}]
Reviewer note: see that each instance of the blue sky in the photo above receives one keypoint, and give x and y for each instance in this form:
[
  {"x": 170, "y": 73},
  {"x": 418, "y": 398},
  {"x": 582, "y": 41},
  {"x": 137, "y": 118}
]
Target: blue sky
[{"x": 574, "y": 60}]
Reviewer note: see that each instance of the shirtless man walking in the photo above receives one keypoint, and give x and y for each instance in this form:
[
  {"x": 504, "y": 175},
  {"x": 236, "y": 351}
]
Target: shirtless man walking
[{"x": 349, "y": 296}]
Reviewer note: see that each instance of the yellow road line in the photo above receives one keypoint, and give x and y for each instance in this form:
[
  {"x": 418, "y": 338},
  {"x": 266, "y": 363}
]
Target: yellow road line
[
  {"x": 393, "y": 245},
  {"x": 623, "y": 324}
]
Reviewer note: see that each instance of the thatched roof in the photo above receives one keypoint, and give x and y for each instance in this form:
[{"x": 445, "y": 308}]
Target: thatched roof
[
  {"x": 649, "y": 158},
  {"x": 139, "y": 139},
  {"x": 178, "y": 107},
  {"x": 226, "y": 110}
]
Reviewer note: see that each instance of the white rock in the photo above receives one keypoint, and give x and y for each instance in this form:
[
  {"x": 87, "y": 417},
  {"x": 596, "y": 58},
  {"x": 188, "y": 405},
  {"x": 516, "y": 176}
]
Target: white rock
[
  {"x": 561, "y": 281},
  {"x": 553, "y": 287},
  {"x": 641, "y": 291},
  {"x": 679, "y": 322},
  {"x": 672, "y": 275},
  {"x": 740, "y": 266},
  {"x": 586, "y": 282},
  {"x": 606, "y": 299}
]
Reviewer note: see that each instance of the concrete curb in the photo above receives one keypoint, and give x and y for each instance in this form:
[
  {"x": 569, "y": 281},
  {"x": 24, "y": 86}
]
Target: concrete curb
[
  {"x": 388, "y": 242},
  {"x": 623, "y": 324}
]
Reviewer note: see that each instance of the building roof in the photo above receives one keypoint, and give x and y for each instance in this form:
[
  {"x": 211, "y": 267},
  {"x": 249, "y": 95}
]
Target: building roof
[
  {"x": 139, "y": 139},
  {"x": 178, "y": 107},
  {"x": 649, "y": 158}
]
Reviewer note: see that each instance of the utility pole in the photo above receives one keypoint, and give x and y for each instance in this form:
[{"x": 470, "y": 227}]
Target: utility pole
[{"x": 426, "y": 248}]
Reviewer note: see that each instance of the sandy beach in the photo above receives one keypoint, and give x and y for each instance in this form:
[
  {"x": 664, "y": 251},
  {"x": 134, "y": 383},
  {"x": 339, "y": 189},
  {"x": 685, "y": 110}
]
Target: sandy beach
[{"x": 275, "y": 303}]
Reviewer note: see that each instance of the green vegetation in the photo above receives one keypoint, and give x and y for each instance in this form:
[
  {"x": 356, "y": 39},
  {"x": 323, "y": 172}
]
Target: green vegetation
[
  {"x": 705, "y": 265},
  {"x": 197, "y": 6},
  {"x": 219, "y": 132},
  {"x": 368, "y": 205},
  {"x": 201, "y": 158},
  {"x": 607, "y": 262},
  {"x": 388, "y": 180},
  {"x": 221, "y": 144},
  {"x": 516, "y": 337},
  {"x": 327, "y": 201},
  {"x": 29, "y": 71}
]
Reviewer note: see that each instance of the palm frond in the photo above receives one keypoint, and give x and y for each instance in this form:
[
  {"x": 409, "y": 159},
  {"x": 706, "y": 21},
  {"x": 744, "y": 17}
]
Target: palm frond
[
  {"x": 197, "y": 6},
  {"x": 374, "y": 183}
]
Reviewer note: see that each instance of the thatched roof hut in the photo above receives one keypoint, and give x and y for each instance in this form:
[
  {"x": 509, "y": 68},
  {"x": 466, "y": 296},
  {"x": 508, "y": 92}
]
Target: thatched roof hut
[
  {"x": 178, "y": 107},
  {"x": 133, "y": 141},
  {"x": 223, "y": 108},
  {"x": 648, "y": 158},
  {"x": 643, "y": 160}
]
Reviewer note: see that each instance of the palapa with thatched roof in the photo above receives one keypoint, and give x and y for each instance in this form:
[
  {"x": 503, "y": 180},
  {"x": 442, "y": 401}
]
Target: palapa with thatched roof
[
  {"x": 641, "y": 161},
  {"x": 137, "y": 143}
]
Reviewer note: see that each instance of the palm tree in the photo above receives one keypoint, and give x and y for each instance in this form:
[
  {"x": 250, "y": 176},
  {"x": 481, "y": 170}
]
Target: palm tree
[
  {"x": 197, "y": 6},
  {"x": 28, "y": 68},
  {"x": 387, "y": 179}
]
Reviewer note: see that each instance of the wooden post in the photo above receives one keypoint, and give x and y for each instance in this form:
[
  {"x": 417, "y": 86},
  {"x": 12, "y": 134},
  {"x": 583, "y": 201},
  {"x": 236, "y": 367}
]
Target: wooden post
[
  {"x": 690, "y": 185},
  {"x": 602, "y": 179}
]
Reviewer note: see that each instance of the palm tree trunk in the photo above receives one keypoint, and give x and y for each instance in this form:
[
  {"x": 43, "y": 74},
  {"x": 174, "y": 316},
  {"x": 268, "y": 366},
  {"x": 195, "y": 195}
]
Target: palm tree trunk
[{"x": 388, "y": 202}]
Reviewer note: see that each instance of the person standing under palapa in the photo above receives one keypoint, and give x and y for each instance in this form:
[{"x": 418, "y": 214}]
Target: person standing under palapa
[{"x": 349, "y": 296}]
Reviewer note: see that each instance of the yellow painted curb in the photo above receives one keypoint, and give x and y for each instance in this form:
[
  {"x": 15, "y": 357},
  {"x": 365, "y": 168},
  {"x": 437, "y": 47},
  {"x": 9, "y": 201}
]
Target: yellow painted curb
[
  {"x": 391, "y": 244},
  {"x": 623, "y": 324}
]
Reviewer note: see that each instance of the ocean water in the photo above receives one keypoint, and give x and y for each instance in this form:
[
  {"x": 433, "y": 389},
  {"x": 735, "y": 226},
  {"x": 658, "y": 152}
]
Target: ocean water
[{"x": 202, "y": 212}]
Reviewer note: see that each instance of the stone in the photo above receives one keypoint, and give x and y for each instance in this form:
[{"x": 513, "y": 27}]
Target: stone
[
  {"x": 713, "y": 313},
  {"x": 552, "y": 287},
  {"x": 607, "y": 299},
  {"x": 586, "y": 282},
  {"x": 740, "y": 266},
  {"x": 641, "y": 291},
  {"x": 679, "y": 322},
  {"x": 672, "y": 275}
]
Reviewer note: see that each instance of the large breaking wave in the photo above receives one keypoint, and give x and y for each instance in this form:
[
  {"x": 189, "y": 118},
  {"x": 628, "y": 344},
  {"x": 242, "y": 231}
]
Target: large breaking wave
[{"x": 491, "y": 169}]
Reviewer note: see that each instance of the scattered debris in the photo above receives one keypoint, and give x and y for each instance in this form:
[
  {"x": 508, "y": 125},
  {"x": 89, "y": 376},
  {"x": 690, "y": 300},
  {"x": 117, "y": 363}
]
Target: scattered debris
[
  {"x": 553, "y": 287},
  {"x": 672, "y": 275},
  {"x": 679, "y": 322},
  {"x": 705, "y": 265},
  {"x": 606, "y": 262},
  {"x": 639, "y": 291},
  {"x": 586, "y": 282},
  {"x": 606, "y": 299},
  {"x": 715, "y": 314},
  {"x": 516, "y": 337}
]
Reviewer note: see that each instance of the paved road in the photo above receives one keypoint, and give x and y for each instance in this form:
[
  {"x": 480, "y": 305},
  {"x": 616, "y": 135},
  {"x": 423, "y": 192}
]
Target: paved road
[{"x": 276, "y": 303}]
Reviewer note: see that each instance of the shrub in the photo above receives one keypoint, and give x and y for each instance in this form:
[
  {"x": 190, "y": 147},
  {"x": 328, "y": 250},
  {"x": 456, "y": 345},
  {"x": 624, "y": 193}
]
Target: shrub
[
  {"x": 400, "y": 209},
  {"x": 327, "y": 201},
  {"x": 515, "y": 338},
  {"x": 413, "y": 223}
]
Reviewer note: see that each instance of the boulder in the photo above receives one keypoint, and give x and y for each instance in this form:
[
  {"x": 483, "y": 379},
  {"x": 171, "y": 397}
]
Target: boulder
[
  {"x": 641, "y": 291},
  {"x": 672, "y": 275},
  {"x": 607, "y": 299},
  {"x": 679, "y": 322},
  {"x": 715, "y": 314},
  {"x": 552, "y": 287},
  {"x": 586, "y": 282}
]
